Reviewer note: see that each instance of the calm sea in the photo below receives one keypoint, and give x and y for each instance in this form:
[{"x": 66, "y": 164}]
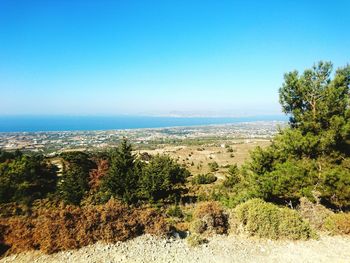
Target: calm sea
[{"x": 85, "y": 123}]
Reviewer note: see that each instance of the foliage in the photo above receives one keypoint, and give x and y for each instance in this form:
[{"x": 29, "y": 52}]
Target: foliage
[
  {"x": 161, "y": 177},
  {"x": 233, "y": 177},
  {"x": 209, "y": 217},
  {"x": 96, "y": 175},
  {"x": 175, "y": 211},
  {"x": 204, "y": 179},
  {"x": 72, "y": 227},
  {"x": 338, "y": 224},
  {"x": 123, "y": 175},
  {"x": 24, "y": 178},
  {"x": 315, "y": 213},
  {"x": 74, "y": 182},
  {"x": 312, "y": 154},
  {"x": 265, "y": 220},
  {"x": 213, "y": 166},
  {"x": 195, "y": 240}
]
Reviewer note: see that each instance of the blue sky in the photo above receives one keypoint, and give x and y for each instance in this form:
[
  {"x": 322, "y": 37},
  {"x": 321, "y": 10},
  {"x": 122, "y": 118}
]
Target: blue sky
[{"x": 161, "y": 57}]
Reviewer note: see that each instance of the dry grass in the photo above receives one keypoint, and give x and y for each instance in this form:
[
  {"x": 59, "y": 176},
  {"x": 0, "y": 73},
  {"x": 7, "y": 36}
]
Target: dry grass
[{"x": 197, "y": 160}]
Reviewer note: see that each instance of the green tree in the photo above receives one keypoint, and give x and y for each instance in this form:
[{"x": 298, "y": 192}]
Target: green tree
[
  {"x": 74, "y": 183},
  {"x": 319, "y": 105},
  {"x": 311, "y": 154},
  {"x": 24, "y": 178},
  {"x": 233, "y": 177},
  {"x": 123, "y": 175},
  {"x": 161, "y": 177}
]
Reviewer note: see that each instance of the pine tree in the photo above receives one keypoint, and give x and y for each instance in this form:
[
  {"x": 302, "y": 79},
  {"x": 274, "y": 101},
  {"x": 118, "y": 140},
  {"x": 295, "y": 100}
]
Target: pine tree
[{"x": 122, "y": 178}]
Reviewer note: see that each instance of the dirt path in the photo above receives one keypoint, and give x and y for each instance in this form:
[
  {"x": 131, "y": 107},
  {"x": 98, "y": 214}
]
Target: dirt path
[{"x": 220, "y": 249}]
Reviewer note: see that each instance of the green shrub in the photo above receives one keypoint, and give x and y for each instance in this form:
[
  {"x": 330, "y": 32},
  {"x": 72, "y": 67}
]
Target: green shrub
[
  {"x": 198, "y": 226},
  {"x": 338, "y": 224},
  {"x": 204, "y": 179},
  {"x": 175, "y": 211},
  {"x": 213, "y": 166},
  {"x": 195, "y": 240},
  {"x": 265, "y": 220}
]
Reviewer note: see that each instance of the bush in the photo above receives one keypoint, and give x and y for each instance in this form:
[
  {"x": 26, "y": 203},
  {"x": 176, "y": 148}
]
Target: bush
[
  {"x": 204, "y": 179},
  {"x": 209, "y": 217},
  {"x": 338, "y": 224},
  {"x": 72, "y": 227},
  {"x": 315, "y": 214},
  {"x": 258, "y": 218},
  {"x": 213, "y": 166},
  {"x": 195, "y": 240},
  {"x": 175, "y": 211}
]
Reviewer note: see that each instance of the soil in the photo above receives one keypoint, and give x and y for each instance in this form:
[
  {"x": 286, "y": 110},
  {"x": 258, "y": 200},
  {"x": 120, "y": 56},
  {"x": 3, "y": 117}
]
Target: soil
[{"x": 219, "y": 249}]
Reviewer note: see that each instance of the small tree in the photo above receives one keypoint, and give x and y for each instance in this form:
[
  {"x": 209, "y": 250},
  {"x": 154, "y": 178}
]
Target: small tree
[
  {"x": 74, "y": 183},
  {"x": 122, "y": 178},
  {"x": 160, "y": 177},
  {"x": 24, "y": 178},
  {"x": 233, "y": 176}
]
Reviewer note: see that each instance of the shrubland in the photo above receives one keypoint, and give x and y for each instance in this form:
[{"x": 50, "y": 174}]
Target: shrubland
[{"x": 297, "y": 186}]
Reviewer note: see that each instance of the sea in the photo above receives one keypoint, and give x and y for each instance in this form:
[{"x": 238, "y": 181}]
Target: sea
[{"x": 91, "y": 123}]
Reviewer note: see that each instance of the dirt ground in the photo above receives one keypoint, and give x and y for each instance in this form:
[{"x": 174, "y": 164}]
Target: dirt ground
[{"x": 220, "y": 249}]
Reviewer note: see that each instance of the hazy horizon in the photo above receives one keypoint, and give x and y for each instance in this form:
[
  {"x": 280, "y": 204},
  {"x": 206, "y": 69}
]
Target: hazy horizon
[{"x": 173, "y": 58}]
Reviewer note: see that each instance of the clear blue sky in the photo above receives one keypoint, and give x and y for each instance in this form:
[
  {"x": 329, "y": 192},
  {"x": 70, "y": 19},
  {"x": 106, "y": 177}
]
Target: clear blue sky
[{"x": 161, "y": 57}]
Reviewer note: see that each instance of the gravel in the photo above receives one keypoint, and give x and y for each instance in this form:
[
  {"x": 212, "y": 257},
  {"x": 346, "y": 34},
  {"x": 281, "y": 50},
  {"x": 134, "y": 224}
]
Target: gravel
[{"x": 219, "y": 249}]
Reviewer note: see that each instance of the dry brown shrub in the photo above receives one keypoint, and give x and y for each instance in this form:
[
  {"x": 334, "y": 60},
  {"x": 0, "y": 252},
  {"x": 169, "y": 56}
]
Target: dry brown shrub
[
  {"x": 97, "y": 174},
  {"x": 70, "y": 227},
  {"x": 211, "y": 218},
  {"x": 315, "y": 213}
]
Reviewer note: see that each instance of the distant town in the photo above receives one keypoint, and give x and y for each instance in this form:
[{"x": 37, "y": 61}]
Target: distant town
[{"x": 56, "y": 142}]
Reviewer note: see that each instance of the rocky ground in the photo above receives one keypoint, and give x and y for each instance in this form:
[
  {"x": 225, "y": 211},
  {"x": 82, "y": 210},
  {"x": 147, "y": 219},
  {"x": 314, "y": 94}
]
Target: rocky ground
[{"x": 219, "y": 249}]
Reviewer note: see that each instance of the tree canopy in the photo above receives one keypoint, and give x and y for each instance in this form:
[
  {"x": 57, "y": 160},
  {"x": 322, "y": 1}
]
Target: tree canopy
[{"x": 313, "y": 152}]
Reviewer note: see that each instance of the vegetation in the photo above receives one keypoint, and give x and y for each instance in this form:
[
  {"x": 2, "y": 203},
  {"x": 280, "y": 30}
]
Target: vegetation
[
  {"x": 213, "y": 166},
  {"x": 195, "y": 240},
  {"x": 74, "y": 183},
  {"x": 209, "y": 217},
  {"x": 266, "y": 220},
  {"x": 70, "y": 227},
  {"x": 160, "y": 179},
  {"x": 313, "y": 153},
  {"x": 338, "y": 224},
  {"x": 204, "y": 179},
  {"x": 24, "y": 178},
  {"x": 103, "y": 196}
]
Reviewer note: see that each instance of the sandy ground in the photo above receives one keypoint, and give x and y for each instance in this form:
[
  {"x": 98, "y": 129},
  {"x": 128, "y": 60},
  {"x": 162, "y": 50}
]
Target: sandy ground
[{"x": 220, "y": 249}]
